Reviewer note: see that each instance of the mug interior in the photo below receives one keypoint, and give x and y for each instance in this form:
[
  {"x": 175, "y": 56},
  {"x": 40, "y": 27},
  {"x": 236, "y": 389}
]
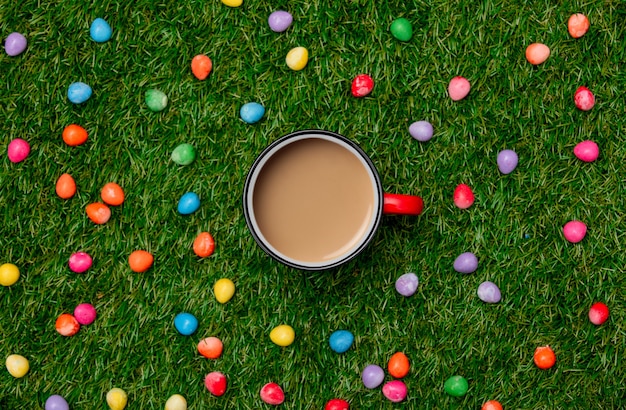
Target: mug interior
[{"x": 313, "y": 200}]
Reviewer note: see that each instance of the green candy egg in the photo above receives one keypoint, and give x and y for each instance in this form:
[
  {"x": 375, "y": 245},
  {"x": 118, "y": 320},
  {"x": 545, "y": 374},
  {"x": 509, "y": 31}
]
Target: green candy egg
[
  {"x": 456, "y": 386},
  {"x": 156, "y": 100},
  {"x": 184, "y": 154},
  {"x": 401, "y": 29}
]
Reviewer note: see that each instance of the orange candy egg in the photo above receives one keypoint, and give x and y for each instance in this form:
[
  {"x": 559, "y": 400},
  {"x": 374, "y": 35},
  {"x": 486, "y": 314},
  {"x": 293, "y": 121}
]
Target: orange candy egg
[
  {"x": 74, "y": 135},
  {"x": 140, "y": 261},
  {"x": 544, "y": 357},
  {"x": 204, "y": 245},
  {"x": 66, "y": 186},
  {"x": 201, "y": 66},
  {"x": 398, "y": 365},
  {"x": 537, "y": 53},
  {"x": 211, "y": 347},
  {"x": 67, "y": 325},
  {"x": 112, "y": 194},
  {"x": 491, "y": 405},
  {"x": 98, "y": 212},
  {"x": 577, "y": 25}
]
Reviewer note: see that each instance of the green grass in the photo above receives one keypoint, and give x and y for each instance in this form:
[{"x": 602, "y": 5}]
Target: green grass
[{"x": 514, "y": 226}]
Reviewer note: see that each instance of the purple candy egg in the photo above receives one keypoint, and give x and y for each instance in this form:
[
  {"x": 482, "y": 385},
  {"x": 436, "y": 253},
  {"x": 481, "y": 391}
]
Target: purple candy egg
[
  {"x": 489, "y": 292},
  {"x": 18, "y": 150},
  {"x": 280, "y": 21},
  {"x": 466, "y": 263},
  {"x": 406, "y": 285},
  {"x": 421, "y": 130},
  {"x": 507, "y": 161},
  {"x": 56, "y": 402},
  {"x": 79, "y": 262},
  {"x": 395, "y": 391},
  {"x": 372, "y": 376},
  {"x": 15, "y": 44}
]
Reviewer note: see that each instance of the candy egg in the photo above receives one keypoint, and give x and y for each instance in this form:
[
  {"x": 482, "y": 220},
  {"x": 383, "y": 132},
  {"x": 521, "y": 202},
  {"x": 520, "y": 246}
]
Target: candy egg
[
  {"x": 100, "y": 31},
  {"x": 251, "y": 112},
  {"x": 17, "y": 365},
  {"x": 297, "y": 58},
  {"x": 185, "y": 323},
  {"x": 584, "y": 99},
  {"x": 216, "y": 383},
  {"x": 98, "y": 212},
  {"x": 463, "y": 196},
  {"x": 79, "y": 262},
  {"x": 204, "y": 245},
  {"x": 117, "y": 399},
  {"x": 85, "y": 313},
  {"x": 232, "y": 3},
  {"x": 272, "y": 393},
  {"x": 176, "y": 402},
  {"x": 210, "y": 347},
  {"x": 362, "y": 85},
  {"x": 78, "y": 92},
  {"x": 544, "y": 357},
  {"x": 188, "y": 203},
  {"x": 67, "y": 325},
  {"x": 184, "y": 154},
  {"x": 18, "y": 150},
  {"x": 458, "y": 88},
  {"x": 456, "y": 386},
  {"x": 577, "y": 25},
  {"x": 201, "y": 66},
  {"x": 421, "y": 130},
  {"x": 15, "y": 44},
  {"x": 587, "y": 151},
  {"x": 466, "y": 262},
  {"x": 398, "y": 365},
  {"x": 74, "y": 135},
  {"x": 279, "y": 21},
  {"x": 156, "y": 100},
  {"x": 224, "y": 289},
  {"x": 140, "y": 261},
  {"x": 65, "y": 186},
  {"x": 341, "y": 340},
  {"x": 372, "y": 376},
  {"x": 537, "y": 53},
  {"x": 401, "y": 29},
  {"x": 112, "y": 194},
  {"x": 574, "y": 231},
  {"x": 507, "y": 161},
  {"x": 598, "y": 313},
  {"x": 337, "y": 404},
  {"x": 56, "y": 402},
  {"x": 489, "y": 292},
  {"x": 491, "y": 405},
  {"x": 282, "y": 335},
  {"x": 395, "y": 391},
  {"x": 406, "y": 284},
  {"x": 9, "y": 274}
]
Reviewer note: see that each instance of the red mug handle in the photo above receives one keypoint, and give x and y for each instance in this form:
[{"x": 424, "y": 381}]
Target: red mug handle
[{"x": 399, "y": 204}]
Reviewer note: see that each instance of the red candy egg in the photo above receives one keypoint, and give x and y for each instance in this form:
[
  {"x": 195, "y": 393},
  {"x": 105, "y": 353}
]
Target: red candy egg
[
  {"x": 584, "y": 99},
  {"x": 463, "y": 196},
  {"x": 215, "y": 382},
  {"x": 362, "y": 85},
  {"x": 599, "y": 313},
  {"x": 272, "y": 394},
  {"x": 67, "y": 325},
  {"x": 337, "y": 404},
  {"x": 458, "y": 88}
]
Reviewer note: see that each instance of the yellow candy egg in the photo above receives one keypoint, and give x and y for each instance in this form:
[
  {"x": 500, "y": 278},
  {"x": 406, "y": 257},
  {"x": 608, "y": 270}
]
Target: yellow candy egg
[
  {"x": 232, "y": 3},
  {"x": 17, "y": 365},
  {"x": 297, "y": 58},
  {"x": 9, "y": 274},
  {"x": 224, "y": 290},
  {"x": 176, "y": 402},
  {"x": 117, "y": 399},
  {"x": 283, "y": 335}
]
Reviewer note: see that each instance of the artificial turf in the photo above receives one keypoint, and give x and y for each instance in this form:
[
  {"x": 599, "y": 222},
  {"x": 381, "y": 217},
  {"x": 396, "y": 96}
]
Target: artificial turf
[{"x": 514, "y": 227}]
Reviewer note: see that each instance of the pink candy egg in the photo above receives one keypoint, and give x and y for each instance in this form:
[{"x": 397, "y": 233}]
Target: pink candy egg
[
  {"x": 584, "y": 99},
  {"x": 458, "y": 88},
  {"x": 18, "y": 150},
  {"x": 79, "y": 262},
  {"x": 395, "y": 391},
  {"x": 85, "y": 313},
  {"x": 574, "y": 231},
  {"x": 587, "y": 151}
]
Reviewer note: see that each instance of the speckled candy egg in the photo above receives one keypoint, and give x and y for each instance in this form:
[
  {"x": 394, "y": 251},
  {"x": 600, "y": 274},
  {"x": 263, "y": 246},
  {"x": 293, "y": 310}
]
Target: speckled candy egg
[
  {"x": 574, "y": 231},
  {"x": 176, "y": 402},
  {"x": 80, "y": 262},
  {"x": 421, "y": 130},
  {"x": 279, "y": 21},
  {"x": 78, "y": 92},
  {"x": 466, "y": 262},
  {"x": 56, "y": 402},
  {"x": 587, "y": 151},
  {"x": 395, "y": 391},
  {"x": 340, "y": 341},
  {"x": 372, "y": 376},
  {"x": 251, "y": 112},
  {"x": 507, "y": 161},
  {"x": 17, "y": 365},
  {"x": 185, "y": 323},
  {"x": 15, "y": 44},
  {"x": 489, "y": 292},
  {"x": 18, "y": 150},
  {"x": 85, "y": 313},
  {"x": 188, "y": 203},
  {"x": 283, "y": 335},
  {"x": 406, "y": 284},
  {"x": 584, "y": 99},
  {"x": 100, "y": 31}
]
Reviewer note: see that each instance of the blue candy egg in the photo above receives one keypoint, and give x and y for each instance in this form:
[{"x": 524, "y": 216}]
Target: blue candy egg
[
  {"x": 340, "y": 340},
  {"x": 100, "y": 30},
  {"x": 251, "y": 112},
  {"x": 185, "y": 323},
  {"x": 188, "y": 203},
  {"x": 78, "y": 92}
]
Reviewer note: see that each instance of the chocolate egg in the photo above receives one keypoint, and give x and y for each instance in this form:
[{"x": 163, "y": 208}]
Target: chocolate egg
[
  {"x": 507, "y": 161},
  {"x": 117, "y": 398},
  {"x": 489, "y": 292},
  {"x": 279, "y": 21},
  {"x": 362, "y": 85},
  {"x": 15, "y": 44},
  {"x": 272, "y": 393},
  {"x": 67, "y": 325},
  {"x": 9, "y": 274},
  {"x": 201, "y": 66},
  {"x": 466, "y": 263},
  {"x": 224, "y": 289},
  {"x": 65, "y": 186}
]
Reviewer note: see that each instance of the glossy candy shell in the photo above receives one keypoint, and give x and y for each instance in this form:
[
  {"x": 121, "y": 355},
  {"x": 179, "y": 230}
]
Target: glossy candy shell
[
  {"x": 140, "y": 261},
  {"x": 201, "y": 66},
  {"x": 210, "y": 347},
  {"x": 65, "y": 187}
]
